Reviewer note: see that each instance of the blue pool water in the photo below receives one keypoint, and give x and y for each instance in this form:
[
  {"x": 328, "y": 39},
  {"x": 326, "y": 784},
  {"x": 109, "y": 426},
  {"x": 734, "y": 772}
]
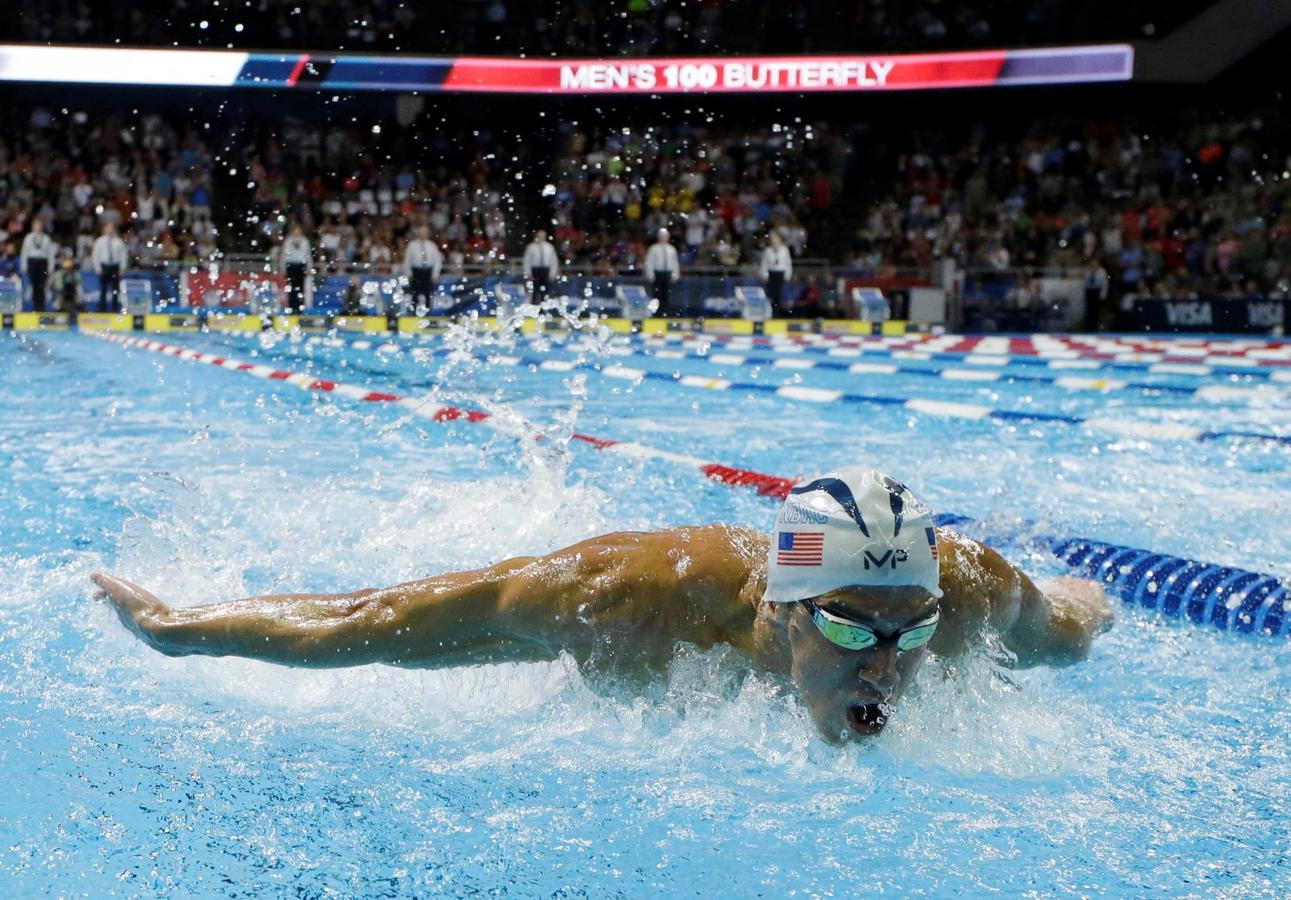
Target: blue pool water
[{"x": 1160, "y": 767}]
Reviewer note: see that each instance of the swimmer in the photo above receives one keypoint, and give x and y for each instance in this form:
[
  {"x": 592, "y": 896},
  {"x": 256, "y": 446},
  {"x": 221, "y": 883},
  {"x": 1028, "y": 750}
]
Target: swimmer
[{"x": 846, "y": 598}]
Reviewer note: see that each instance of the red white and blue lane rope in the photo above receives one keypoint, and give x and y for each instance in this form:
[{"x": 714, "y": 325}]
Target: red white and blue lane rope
[
  {"x": 1222, "y": 597},
  {"x": 1038, "y": 346},
  {"x": 985, "y": 355}
]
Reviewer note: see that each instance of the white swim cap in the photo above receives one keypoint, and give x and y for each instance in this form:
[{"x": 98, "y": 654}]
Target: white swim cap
[{"x": 853, "y": 526}]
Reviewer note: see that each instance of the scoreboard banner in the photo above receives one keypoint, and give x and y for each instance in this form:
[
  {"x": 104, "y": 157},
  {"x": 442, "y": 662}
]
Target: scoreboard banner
[{"x": 471, "y": 74}]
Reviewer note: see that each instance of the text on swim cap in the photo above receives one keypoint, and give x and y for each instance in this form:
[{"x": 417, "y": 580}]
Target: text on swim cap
[
  {"x": 889, "y": 559},
  {"x": 793, "y": 513}
]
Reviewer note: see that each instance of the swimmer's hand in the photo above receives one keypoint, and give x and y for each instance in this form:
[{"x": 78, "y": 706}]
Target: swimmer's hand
[
  {"x": 1079, "y": 611},
  {"x": 139, "y": 609},
  {"x": 1087, "y": 600}
]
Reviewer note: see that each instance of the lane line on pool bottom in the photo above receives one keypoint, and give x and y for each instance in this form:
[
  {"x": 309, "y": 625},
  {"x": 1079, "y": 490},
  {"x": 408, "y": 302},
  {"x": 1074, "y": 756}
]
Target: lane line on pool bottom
[
  {"x": 947, "y": 409},
  {"x": 1223, "y": 597}
]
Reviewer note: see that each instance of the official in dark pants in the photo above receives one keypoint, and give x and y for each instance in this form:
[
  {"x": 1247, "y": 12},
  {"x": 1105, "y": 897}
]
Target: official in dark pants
[
  {"x": 109, "y": 257},
  {"x": 539, "y": 275},
  {"x": 38, "y": 277},
  {"x": 663, "y": 290},
  {"x": 421, "y": 287},
  {"x": 423, "y": 262},
  {"x": 37, "y": 258},
  {"x": 664, "y": 267},
  {"x": 296, "y": 275},
  {"x": 540, "y": 265},
  {"x": 1097, "y": 283},
  {"x": 109, "y": 284},
  {"x": 776, "y": 270},
  {"x": 297, "y": 254}
]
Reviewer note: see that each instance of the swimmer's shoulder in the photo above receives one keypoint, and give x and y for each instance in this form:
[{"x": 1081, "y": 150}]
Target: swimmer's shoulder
[
  {"x": 734, "y": 547},
  {"x": 967, "y": 564},
  {"x": 720, "y": 563}
]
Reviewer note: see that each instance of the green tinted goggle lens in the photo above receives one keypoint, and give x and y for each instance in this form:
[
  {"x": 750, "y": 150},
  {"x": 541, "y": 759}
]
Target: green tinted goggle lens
[{"x": 854, "y": 636}]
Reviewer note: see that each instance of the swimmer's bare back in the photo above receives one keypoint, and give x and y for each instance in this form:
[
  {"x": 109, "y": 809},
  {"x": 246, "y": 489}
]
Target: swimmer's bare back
[{"x": 628, "y": 595}]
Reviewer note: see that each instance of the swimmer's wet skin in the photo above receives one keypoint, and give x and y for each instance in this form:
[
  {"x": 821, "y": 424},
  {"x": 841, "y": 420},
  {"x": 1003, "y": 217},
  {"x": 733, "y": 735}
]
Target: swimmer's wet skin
[{"x": 846, "y": 599}]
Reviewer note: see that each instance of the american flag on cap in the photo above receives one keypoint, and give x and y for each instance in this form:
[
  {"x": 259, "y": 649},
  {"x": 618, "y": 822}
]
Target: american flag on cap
[{"x": 800, "y": 548}]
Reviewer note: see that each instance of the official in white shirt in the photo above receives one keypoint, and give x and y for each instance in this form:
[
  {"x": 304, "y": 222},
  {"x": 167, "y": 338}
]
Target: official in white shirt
[
  {"x": 776, "y": 270},
  {"x": 423, "y": 262},
  {"x": 36, "y": 259},
  {"x": 108, "y": 258},
  {"x": 297, "y": 254},
  {"x": 540, "y": 265},
  {"x": 662, "y": 265}
]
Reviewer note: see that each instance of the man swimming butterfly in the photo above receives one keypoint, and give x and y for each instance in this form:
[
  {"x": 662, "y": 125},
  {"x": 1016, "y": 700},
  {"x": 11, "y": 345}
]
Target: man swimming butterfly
[{"x": 846, "y": 598}]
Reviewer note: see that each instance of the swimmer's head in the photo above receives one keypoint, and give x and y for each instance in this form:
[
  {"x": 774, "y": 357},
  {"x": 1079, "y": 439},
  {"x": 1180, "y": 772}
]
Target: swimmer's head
[{"x": 853, "y": 576}]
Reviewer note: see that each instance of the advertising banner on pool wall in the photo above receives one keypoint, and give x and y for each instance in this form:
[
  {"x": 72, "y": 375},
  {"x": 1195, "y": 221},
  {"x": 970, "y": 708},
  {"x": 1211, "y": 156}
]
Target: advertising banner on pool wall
[
  {"x": 1218, "y": 314},
  {"x": 691, "y": 75}
]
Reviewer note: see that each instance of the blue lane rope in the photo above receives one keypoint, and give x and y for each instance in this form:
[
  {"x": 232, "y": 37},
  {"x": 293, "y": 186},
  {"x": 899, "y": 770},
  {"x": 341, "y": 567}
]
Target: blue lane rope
[{"x": 1222, "y": 597}]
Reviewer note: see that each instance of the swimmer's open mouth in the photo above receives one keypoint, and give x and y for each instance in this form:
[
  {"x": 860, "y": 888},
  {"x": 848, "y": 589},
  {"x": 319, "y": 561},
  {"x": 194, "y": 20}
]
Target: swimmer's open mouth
[{"x": 866, "y": 718}]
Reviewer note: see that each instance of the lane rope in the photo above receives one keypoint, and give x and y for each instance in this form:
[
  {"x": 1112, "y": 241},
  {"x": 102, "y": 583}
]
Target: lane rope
[
  {"x": 1223, "y": 597},
  {"x": 1038, "y": 346},
  {"x": 1157, "y": 364},
  {"x": 1211, "y": 393},
  {"x": 1054, "y": 344},
  {"x": 947, "y": 409}
]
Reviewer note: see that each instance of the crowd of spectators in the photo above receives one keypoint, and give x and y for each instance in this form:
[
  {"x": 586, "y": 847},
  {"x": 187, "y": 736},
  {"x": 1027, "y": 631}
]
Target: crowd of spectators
[
  {"x": 359, "y": 194},
  {"x": 720, "y": 190},
  {"x": 573, "y": 27},
  {"x": 149, "y": 176},
  {"x": 1180, "y": 206}
]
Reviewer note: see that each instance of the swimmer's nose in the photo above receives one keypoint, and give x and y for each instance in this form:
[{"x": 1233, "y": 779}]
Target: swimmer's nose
[{"x": 878, "y": 670}]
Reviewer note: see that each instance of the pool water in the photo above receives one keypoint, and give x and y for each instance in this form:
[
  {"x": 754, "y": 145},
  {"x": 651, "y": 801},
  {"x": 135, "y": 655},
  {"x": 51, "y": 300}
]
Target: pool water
[{"x": 1160, "y": 767}]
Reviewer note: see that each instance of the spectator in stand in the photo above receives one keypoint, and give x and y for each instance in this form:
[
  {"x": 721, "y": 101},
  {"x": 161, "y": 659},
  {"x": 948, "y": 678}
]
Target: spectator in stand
[
  {"x": 66, "y": 285},
  {"x": 663, "y": 267},
  {"x": 297, "y": 257},
  {"x": 37, "y": 258},
  {"x": 10, "y": 262},
  {"x": 776, "y": 270},
  {"x": 109, "y": 260},
  {"x": 540, "y": 265},
  {"x": 423, "y": 262},
  {"x": 352, "y": 299},
  {"x": 378, "y": 254}
]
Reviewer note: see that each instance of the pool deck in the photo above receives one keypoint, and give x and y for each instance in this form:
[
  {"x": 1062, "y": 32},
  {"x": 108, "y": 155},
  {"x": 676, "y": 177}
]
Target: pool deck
[{"x": 195, "y": 320}]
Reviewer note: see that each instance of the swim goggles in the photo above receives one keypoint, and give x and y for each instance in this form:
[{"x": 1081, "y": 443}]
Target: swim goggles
[{"x": 852, "y": 635}]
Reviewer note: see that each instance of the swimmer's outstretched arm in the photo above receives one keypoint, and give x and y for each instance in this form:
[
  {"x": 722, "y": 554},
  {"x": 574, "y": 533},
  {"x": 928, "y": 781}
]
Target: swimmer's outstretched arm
[
  {"x": 1054, "y": 626},
  {"x": 524, "y": 609},
  {"x": 448, "y": 620}
]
